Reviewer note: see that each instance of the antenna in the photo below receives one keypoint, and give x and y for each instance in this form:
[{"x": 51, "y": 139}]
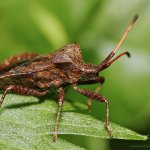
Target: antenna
[
  {"x": 112, "y": 53},
  {"x": 125, "y": 33},
  {"x": 106, "y": 62}
]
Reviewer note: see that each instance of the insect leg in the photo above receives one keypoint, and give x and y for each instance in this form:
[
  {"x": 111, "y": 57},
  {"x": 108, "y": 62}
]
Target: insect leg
[
  {"x": 96, "y": 80},
  {"x": 21, "y": 90},
  {"x": 61, "y": 94},
  {"x": 100, "y": 80},
  {"x": 89, "y": 100},
  {"x": 99, "y": 98},
  {"x": 4, "y": 94},
  {"x": 16, "y": 59}
]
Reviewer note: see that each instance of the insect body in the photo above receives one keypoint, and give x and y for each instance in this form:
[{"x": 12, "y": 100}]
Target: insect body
[{"x": 31, "y": 74}]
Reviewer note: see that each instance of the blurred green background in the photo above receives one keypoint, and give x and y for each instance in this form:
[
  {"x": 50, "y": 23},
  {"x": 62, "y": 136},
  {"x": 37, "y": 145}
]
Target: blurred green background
[{"x": 43, "y": 26}]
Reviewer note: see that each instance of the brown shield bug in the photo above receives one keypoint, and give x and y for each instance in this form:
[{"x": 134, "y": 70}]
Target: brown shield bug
[{"x": 31, "y": 74}]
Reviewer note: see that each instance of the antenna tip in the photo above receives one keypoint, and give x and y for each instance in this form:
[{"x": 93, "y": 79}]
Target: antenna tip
[
  {"x": 135, "y": 18},
  {"x": 128, "y": 54}
]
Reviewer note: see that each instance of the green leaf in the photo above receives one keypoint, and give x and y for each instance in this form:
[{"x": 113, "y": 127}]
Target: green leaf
[{"x": 27, "y": 123}]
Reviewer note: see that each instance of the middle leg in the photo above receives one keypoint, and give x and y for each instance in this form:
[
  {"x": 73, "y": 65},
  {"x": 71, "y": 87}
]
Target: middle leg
[{"x": 61, "y": 94}]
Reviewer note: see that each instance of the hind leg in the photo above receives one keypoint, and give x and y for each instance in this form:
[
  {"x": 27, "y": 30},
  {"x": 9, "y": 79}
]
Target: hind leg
[
  {"x": 21, "y": 90},
  {"x": 16, "y": 60}
]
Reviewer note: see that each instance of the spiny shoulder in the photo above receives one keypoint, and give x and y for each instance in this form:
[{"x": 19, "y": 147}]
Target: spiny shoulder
[{"x": 71, "y": 53}]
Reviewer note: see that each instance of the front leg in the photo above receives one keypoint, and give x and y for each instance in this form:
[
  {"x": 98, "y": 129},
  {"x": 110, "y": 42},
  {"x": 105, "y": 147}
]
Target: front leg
[
  {"x": 21, "y": 90},
  {"x": 100, "y": 98},
  {"x": 100, "y": 80}
]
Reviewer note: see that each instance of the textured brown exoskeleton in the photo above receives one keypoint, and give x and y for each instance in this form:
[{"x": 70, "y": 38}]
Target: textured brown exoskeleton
[{"x": 31, "y": 74}]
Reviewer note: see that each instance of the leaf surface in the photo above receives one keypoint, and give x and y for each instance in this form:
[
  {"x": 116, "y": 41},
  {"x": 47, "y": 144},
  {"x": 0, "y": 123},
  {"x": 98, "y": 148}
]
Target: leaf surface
[{"x": 28, "y": 122}]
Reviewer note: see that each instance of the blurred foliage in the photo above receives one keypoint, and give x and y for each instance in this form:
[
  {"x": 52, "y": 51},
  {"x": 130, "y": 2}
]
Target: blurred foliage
[
  {"x": 27, "y": 123},
  {"x": 44, "y": 26}
]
